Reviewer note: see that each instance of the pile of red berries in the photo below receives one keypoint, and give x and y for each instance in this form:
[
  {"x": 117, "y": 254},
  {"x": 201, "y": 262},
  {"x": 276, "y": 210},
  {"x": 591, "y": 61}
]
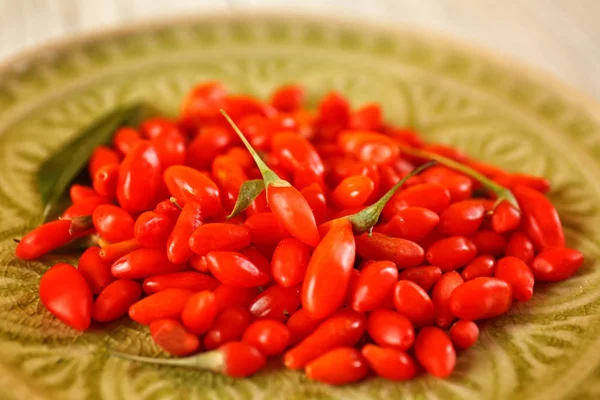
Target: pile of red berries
[{"x": 326, "y": 237}]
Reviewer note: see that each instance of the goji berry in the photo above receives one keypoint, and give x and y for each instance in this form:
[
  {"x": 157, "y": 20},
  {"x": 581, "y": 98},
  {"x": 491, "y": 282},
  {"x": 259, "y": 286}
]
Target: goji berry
[
  {"x": 194, "y": 281},
  {"x": 139, "y": 178},
  {"x": 413, "y": 302},
  {"x": 425, "y": 276},
  {"x": 353, "y": 191},
  {"x": 65, "y": 293},
  {"x": 540, "y": 219},
  {"x": 106, "y": 180},
  {"x": 168, "y": 303},
  {"x": 95, "y": 271},
  {"x": 44, "y": 238},
  {"x": 230, "y": 296},
  {"x": 435, "y": 352},
  {"x": 369, "y": 146},
  {"x": 481, "y": 298},
  {"x": 152, "y": 229},
  {"x": 113, "y": 251},
  {"x": 199, "y": 312},
  {"x": 125, "y": 139},
  {"x": 332, "y": 261},
  {"x": 462, "y": 218},
  {"x": 366, "y": 118},
  {"x": 505, "y": 217},
  {"x": 374, "y": 285},
  {"x": 288, "y": 98},
  {"x": 235, "y": 269},
  {"x": 521, "y": 247},
  {"x": 270, "y": 337},
  {"x": 113, "y": 223},
  {"x": 556, "y": 264},
  {"x": 143, "y": 263},
  {"x": 172, "y": 337},
  {"x": 488, "y": 242},
  {"x": 518, "y": 275},
  {"x": 102, "y": 155},
  {"x": 169, "y": 144},
  {"x": 178, "y": 243},
  {"x": 459, "y": 186},
  {"x": 464, "y": 334},
  {"x": 300, "y": 325},
  {"x": 431, "y": 196},
  {"x": 388, "y": 328},
  {"x": 412, "y": 223},
  {"x": 277, "y": 302},
  {"x": 188, "y": 183},
  {"x": 451, "y": 253},
  {"x": 289, "y": 262},
  {"x": 440, "y": 297},
  {"x": 480, "y": 266},
  {"x": 265, "y": 228},
  {"x": 229, "y": 325},
  {"x": 344, "y": 328},
  {"x": 338, "y": 366},
  {"x": 218, "y": 236},
  {"x": 203, "y": 102},
  {"x": 402, "y": 252},
  {"x": 391, "y": 364},
  {"x": 115, "y": 299},
  {"x": 81, "y": 194}
]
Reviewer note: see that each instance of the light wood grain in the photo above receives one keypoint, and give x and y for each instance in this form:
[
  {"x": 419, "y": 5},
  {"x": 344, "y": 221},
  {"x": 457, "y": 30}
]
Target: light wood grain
[{"x": 559, "y": 36}]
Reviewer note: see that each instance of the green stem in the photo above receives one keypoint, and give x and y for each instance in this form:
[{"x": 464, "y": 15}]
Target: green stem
[
  {"x": 175, "y": 203},
  {"x": 269, "y": 176},
  {"x": 502, "y": 193},
  {"x": 210, "y": 360},
  {"x": 367, "y": 218}
]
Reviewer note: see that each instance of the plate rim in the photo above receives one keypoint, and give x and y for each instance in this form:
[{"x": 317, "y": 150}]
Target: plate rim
[{"x": 20, "y": 61}]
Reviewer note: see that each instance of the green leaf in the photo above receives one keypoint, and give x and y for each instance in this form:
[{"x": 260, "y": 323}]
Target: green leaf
[
  {"x": 364, "y": 220},
  {"x": 63, "y": 166},
  {"x": 248, "y": 193}
]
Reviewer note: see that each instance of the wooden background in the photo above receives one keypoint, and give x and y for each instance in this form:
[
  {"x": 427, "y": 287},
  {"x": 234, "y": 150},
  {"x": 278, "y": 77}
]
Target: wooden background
[{"x": 559, "y": 36}]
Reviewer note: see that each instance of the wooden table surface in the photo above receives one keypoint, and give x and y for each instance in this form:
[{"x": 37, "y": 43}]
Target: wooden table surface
[{"x": 559, "y": 36}]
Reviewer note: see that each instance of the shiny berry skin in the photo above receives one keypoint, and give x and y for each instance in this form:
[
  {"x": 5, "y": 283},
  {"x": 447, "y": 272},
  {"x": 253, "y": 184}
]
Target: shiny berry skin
[
  {"x": 435, "y": 352},
  {"x": 113, "y": 223},
  {"x": 464, "y": 334},
  {"x": 65, "y": 293},
  {"x": 391, "y": 364},
  {"x": 451, "y": 253},
  {"x": 338, "y": 366},
  {"x": 481, "y": 298},
  {"x": 413, "y": 302},
  {"x": 556, "y": 264},
  {"x": 374, "y": 286},
  {"x": 268, "y": 336},
  {"x": 516, "y": 273},
  {"x": 519, "y": 245},
  {"x": 462, "y": 218},
  {"x": 440, "y": 296},
  {"x": 480, "y": 266},
  {"x": 115, "y": 299},
  {"x": 388, "y": 328},
  {"x": 199, "y": 312}
]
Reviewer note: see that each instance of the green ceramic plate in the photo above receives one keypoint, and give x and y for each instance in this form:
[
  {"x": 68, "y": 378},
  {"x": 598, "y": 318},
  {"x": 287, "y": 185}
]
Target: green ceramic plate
[{"x": 545, "y": 349}]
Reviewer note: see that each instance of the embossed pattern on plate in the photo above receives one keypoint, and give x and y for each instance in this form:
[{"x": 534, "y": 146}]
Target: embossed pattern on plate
[{"x": 545, "y": 349}]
